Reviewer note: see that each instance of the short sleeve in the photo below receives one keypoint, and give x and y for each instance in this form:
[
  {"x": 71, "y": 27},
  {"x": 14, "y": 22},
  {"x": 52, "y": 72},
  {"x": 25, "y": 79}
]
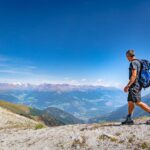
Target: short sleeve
[{"x": 134, "y": 65}]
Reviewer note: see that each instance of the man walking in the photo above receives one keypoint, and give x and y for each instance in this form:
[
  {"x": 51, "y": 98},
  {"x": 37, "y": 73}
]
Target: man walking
[{"x": 134, "y": 87}]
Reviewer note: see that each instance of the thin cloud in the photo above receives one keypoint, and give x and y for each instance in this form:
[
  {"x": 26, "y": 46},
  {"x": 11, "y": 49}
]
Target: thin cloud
[
  {"x": 14, "y": 67},
  {"x": 4, "y": 65},
  {"x": 3, "y": 58},
  {"x": 31, "y": 67},
  {"x": 9, "y": 71}
]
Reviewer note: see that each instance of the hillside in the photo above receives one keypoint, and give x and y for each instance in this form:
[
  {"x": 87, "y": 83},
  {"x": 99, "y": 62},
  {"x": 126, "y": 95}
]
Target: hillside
[
  {"x": 51, "y": 119},
  {"x": 72, "y": 137},
  {"x": 61, "y": 115},
  {"x": 121, "y": 112},
  {"x": 9, "y": 120}
]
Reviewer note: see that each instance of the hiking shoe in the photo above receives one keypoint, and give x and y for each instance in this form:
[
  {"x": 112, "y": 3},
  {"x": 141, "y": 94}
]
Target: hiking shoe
[
  {"x": 128, "y": 121},
  {"x": 148, "y": 122}
]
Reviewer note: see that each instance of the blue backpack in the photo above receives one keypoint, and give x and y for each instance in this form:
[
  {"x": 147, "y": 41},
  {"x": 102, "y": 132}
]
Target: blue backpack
[{"x": 144, "y": 77}]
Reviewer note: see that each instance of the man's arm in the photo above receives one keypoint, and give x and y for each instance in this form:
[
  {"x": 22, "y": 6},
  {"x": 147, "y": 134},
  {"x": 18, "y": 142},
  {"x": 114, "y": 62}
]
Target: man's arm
[
  {"x": 133, "y": 77},
  {"x": 132, "y": 80}
]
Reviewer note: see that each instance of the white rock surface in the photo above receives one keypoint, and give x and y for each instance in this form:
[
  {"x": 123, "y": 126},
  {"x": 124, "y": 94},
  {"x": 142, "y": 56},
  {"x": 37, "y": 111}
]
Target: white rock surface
[{"x": 108, "y": 136}]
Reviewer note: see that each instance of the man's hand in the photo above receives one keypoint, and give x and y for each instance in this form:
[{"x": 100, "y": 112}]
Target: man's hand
[{"x": 126, "y": 89}]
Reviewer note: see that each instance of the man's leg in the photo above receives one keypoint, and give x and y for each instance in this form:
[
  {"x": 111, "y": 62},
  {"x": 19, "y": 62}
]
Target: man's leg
[
  {"x": 128, "y": 120},
  {"x": 130, "y": 107},
  {"x": 143, "y": 106}
]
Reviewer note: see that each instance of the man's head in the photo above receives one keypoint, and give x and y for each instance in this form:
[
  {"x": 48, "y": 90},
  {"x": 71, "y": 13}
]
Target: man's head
[{"x": 130, "y": 54}]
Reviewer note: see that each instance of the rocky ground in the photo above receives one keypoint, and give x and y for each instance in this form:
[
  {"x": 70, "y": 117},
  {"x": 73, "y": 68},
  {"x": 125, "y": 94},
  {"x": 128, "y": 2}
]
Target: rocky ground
[{"x": 108, "y": 136}]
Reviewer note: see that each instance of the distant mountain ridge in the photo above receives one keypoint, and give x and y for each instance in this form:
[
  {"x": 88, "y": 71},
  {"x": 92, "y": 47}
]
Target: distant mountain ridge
[{"x": 48, "y": 87}]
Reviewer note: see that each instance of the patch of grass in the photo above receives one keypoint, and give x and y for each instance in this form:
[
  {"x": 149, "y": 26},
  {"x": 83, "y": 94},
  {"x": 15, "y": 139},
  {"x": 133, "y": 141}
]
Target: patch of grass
[
  {"x": 118, "y": 134},
  {"x": 39, "y": 126},
  {"x": 110, "y": 137},
  {"x": 113, "y": 139},
  {"x": 144, "y": 145},
  {"x": 121, "y": 141},
  {"x": 80, "y": 142},
  {"x": 130, "y": 140}
]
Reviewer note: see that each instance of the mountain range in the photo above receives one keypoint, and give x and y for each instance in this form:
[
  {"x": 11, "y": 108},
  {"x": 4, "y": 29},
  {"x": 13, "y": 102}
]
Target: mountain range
[{"x": 82, "y": 101}]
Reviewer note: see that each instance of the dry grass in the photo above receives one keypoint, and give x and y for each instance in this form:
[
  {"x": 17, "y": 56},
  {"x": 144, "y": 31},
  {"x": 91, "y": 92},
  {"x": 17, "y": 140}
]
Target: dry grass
[{"x": 17, "y": 108}]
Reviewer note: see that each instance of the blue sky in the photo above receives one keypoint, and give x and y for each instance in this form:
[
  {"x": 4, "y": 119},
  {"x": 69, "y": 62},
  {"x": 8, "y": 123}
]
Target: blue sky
[{"x": 71, "y": 41}]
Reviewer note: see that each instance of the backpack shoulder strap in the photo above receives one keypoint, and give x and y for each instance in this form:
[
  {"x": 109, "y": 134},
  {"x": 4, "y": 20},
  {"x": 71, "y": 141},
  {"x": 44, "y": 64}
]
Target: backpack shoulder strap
[{"x": 137, "y": 60}]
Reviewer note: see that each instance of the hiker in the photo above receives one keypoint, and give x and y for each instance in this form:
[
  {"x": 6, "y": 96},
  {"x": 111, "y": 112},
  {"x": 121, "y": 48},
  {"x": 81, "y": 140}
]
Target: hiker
[{"x": 134, "y": 87}]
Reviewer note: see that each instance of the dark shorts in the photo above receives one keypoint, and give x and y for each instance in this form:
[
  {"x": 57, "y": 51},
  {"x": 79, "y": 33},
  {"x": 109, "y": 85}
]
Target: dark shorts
[{"x": 134, "y": 94}]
